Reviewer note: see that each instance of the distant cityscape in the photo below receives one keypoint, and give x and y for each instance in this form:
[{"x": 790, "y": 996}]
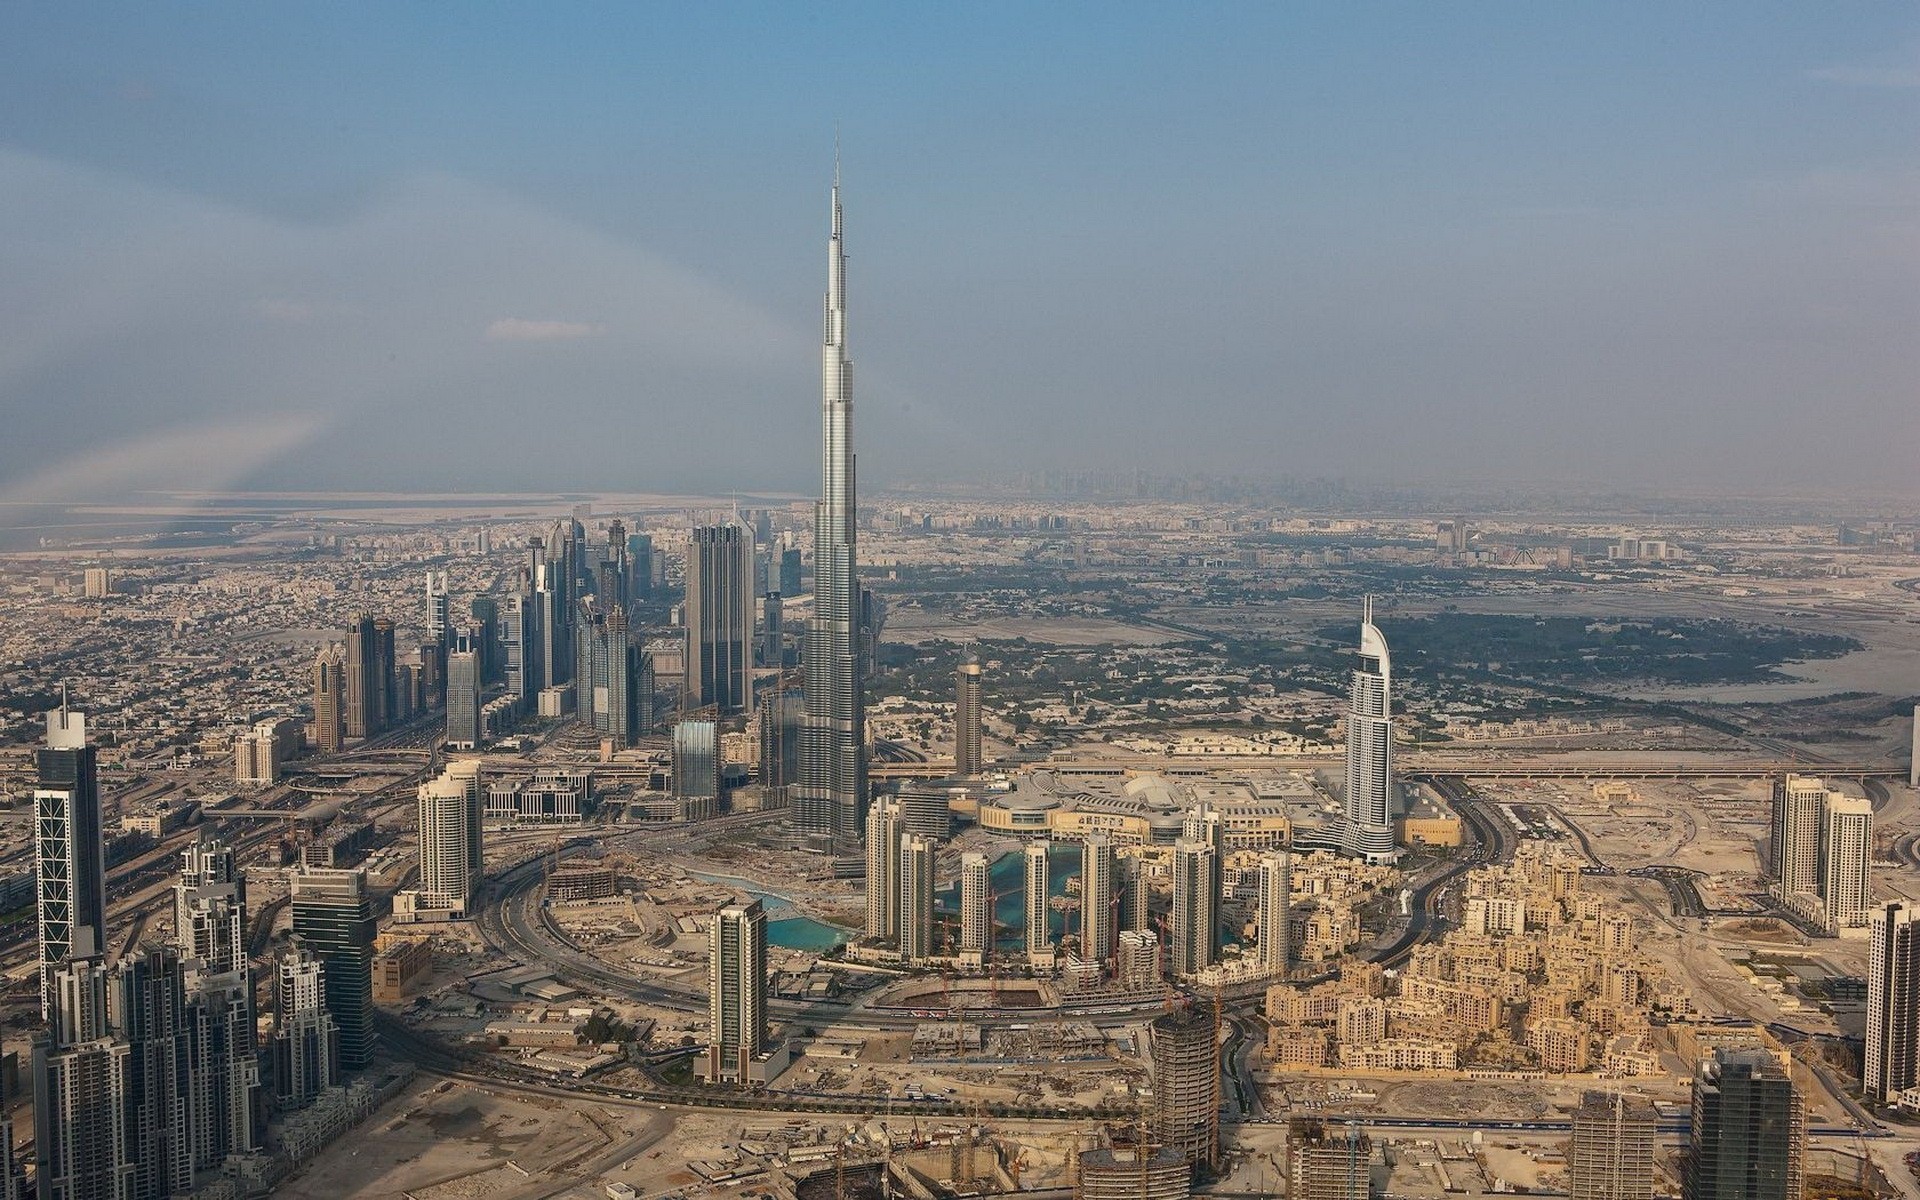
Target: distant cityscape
[{"x": 1128, "y": 838}]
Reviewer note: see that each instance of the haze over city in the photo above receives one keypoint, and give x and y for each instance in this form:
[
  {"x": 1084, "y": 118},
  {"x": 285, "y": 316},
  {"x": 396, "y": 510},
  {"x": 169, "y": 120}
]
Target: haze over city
[
  {"x": 1342, "y": 625},
  {"x": 1646, "y": 246}
]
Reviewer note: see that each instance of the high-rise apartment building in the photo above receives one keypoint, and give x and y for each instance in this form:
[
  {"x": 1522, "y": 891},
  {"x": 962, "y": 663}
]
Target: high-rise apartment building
[
  {"x": 69, "y": 855},
  {"x": 306, "y": 1042},
  {"x": 1136, "y": 905},
  {"x": 452, "y": 858},
  {"x": 966, "y": 720},
  {"x": 1194, "y": 915},
  {"x": 147, "y": 1008},
  {"x": 1366, "y": 827},
  {"x": 976, "y": 905},
  {"x": 1799, "y": 803},
  {"x": 736, "y": 991},
  {"x": 1610, "y": 1155},
  {"x": 1275, "y": 915},
  {"x": 1326, "y": 1163},
  {"x": 1822, "y": 849},
  {"x": 1097, "y": 893},
  {"x": 1204, "y": 823},
  {"x": 85, "y": 1145},
  {"x": 333, "y": 914},
  {"x": 916, "y": 898},
  {"x": 96, "y": 583},
  {"x": 719, "y": 617},
  {"x": 210, "y": 924},
  {"x": 1186, "y": 1085},
  {"x": 884, "y": 831},
  {"x": 1749, "y": 1130},
  {"x": 1846, "y": 856},
  {"x": 1893, "y": 1003},
  {"x": 1138, "y": 960},
  {"x": 830, "y": 801},
  {"x": 329, "y": 700},
  {"x": 1039, "y": 936}
]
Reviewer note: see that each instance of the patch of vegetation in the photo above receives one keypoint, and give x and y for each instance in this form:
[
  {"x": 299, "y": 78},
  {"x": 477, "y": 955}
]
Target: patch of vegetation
[{"x": 1577, "y": 650}]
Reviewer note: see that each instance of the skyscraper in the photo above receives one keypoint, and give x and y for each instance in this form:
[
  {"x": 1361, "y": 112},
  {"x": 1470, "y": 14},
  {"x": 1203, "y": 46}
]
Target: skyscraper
[
  {"x": 1194, "y": 913},
  {"x": 147, "y": 1007},
  {"x": 361, "y": 678},
  {"x": 69, "y": 857},
  {"x": 1136, "y": 905},
  {"x": 832, "y": 795},
  {"x": 1096, "y": 899},
  {"x": 1203, "y": 823},
  {"x": 1799, "y": 802},
  {"x": 966, "y": 720},
  {"x": 719, "y": 617},
  {"x": 329, "y": 700},
  {"x": 333, "y": 913},
  {"x": 1039, "y": 940},
  {"x": 518, "y": 646},
  {"x": 1749, "y": 1130},
  {"x": 1366, "y": 828},
  {"x": 696, "y": 769},
  {"x": 916, "y": 898},
  {"x": 780, "y": 718},
  {"x": 1186, "y": 1085},
  {"x": 640, "y": 566},
  {"x": 452, "y": 858},
  {"x": 85, "y": 1142},
  {"x": 736, "y": 991},
  {"x": 210, "y": 923},
  {"x": 437, "y": 627},
  {"x": 1846, "y": 855},
  {"x": 1275, "y": 919},
  {"x": 883, "y": 871},
  {"x": 1893, "y": 1004},
  {"x": 463, "y": 690},
  {"x": 306, "y": 1042},
  {"x": 976, "y": 905},
  {"x": 1822, "y": 843},
  {"x": 1610, "y": 1156}
]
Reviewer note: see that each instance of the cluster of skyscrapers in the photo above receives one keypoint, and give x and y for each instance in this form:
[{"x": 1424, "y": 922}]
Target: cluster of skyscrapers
[
  {"x": 1822, "y": 842},
  {"x": 147, "y": 1072}
]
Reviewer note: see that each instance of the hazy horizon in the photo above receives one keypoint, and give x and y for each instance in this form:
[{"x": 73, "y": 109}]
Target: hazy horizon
[{"x": 1649, "y": 251}]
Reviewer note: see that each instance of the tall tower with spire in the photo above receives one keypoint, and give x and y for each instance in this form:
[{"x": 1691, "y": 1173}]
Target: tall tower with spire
[
  {"x": 1367, "y": 826},
  {"x": 830, "y": 799}
]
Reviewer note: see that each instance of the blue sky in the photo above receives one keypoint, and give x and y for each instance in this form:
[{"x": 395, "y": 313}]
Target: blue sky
[{"x": 556, "y": 245}]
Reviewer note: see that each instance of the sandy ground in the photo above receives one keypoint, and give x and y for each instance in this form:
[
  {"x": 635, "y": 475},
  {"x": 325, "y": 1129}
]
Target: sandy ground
[{"x": 448, "y": 1141}]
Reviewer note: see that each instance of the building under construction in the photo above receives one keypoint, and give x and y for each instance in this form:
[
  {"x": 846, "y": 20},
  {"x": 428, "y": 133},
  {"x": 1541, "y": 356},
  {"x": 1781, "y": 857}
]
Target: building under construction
[
  {"x": 1186, "y": 1086},
  {"x": 1610, "y": 1155},
  {"x": 1133, "y": 1171},
  {"x": 1327, "y": 1164}
]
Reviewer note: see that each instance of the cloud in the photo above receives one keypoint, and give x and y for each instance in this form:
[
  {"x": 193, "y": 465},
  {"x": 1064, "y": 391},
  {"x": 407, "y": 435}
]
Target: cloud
[{"x": 518, "y": 329}]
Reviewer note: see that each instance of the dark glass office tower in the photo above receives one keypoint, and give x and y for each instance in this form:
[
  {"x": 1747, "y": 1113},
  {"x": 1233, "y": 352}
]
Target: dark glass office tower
[
  {"x": 719, "y": 616},
  {"x": 830, "y": 801},
  {"x": 1749, "y": 1130},
  {"x": 69, "y": 859},
  {"x": 333, "y": 913}
]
